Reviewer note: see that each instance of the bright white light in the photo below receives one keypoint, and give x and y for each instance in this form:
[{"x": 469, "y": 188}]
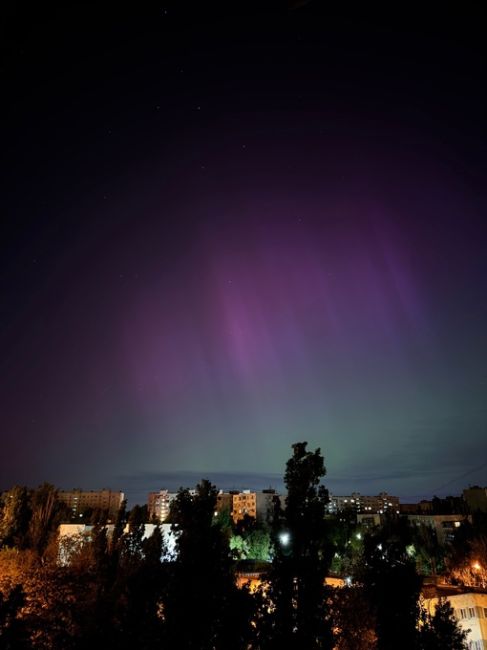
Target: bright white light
[
  {"x": 358, "y": 535},
  {"x": 284, "y": 538}
]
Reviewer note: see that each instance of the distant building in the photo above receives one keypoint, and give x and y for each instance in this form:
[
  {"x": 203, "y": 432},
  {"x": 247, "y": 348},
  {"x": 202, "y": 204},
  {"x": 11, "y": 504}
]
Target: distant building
[
  {"x": 243, "y": 503},
  {"x": 78, "y": 501},
  {"x": 422, "y": 508},
  {"x": 476, "y": 498},
  {"x": 449, "y": 505},
  {"x": 437, "y": 506},
  {"x": 238, "y": 503},
  {"x": 444, "y": 525},
  {"x": 224, "y": 501},
  {"x": 359, "y": 503},
  {"x": 265, "y": 505},
  {"x": 159, "y": 504}
]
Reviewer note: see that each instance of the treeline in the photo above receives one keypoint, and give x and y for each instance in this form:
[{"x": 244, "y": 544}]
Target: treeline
[
  {"x": 29, "y": 519},
  {"x": 116, "y": 592}
]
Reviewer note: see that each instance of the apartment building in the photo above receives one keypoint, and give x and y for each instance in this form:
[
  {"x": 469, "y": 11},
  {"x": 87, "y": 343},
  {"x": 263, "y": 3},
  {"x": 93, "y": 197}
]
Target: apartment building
[
  {"x": 444, "y": 525},
  {"x": 159, "y": 504},
  {"x": 243, "y": 503},
  {"x": 78, "y": 501},
  {"x": 360, "y": 503}
]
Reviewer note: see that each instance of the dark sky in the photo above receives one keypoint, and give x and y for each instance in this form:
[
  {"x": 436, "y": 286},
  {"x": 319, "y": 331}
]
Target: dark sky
[{"x": 227, "y": 230}]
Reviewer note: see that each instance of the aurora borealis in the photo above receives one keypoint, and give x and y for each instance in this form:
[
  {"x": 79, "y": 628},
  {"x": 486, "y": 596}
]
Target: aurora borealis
[{"x": 249, "y": 236}]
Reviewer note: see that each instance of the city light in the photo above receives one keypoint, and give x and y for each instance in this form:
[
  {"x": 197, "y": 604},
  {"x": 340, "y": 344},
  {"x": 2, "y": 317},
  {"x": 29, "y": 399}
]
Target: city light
[{"x": 285, "y": 538}]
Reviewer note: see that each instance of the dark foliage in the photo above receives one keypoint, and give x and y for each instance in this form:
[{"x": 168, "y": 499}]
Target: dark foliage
[
  {"x": 391, "y": 585},
  {"x": 202, "y": 582},
  {"x": 297, "y": 593},
  {"x": 441, "y": 630}
]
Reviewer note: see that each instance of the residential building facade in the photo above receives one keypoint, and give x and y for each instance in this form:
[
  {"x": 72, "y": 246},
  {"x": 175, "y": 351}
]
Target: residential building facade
[
  {"x": 159, "y": 504},
  {"x": 470, "y": 610},
  {"x": 79, "y": 501},
  {"x": 359, "y": 503}
]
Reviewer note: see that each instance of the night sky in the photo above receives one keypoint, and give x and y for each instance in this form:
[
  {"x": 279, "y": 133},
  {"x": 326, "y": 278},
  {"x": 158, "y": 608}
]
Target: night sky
[{"x": 225, "y": 231}]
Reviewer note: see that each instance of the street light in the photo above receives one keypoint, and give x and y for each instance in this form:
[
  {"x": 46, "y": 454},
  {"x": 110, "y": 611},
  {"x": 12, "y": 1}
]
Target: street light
[
  {"x": 477, "y": 567},
  {"x": 285, "y": 538}
]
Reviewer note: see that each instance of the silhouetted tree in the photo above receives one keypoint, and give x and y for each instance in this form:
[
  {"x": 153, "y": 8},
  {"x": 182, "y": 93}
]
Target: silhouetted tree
[
  {"x": 430, "y": 553},
  {"x": 44, "y": 519},
  {"x": 138, "y": 588},
  {"x": 391, "y": 585},
  {"x": 122, "y": 607},
  {"x": 353, "y": 619},
  {"x": 469, "y": 567},
  {"x": 441, "y": 630},
  {"x": 50, "y": 600},
  {"x": 223, "y": 519},
  {"x": 203, "y": 608},
  {"x": 297, "y": 595},
  {"x": 345, "y": 540}
]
